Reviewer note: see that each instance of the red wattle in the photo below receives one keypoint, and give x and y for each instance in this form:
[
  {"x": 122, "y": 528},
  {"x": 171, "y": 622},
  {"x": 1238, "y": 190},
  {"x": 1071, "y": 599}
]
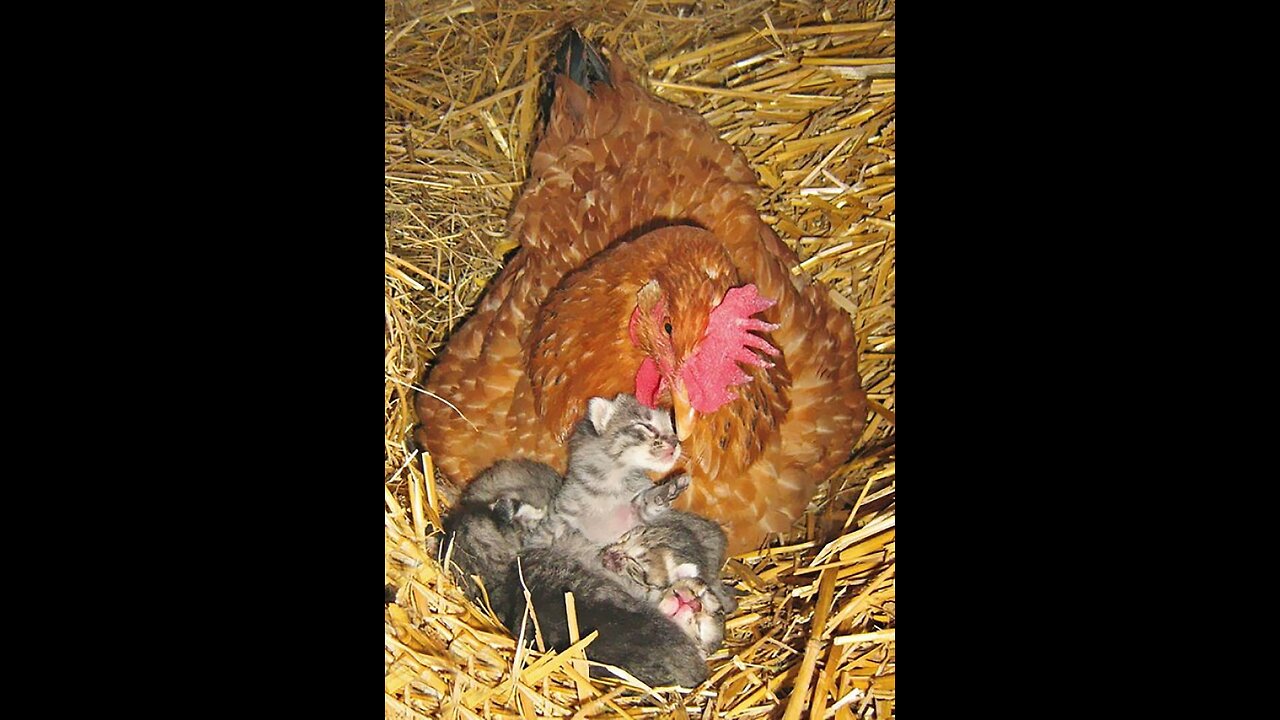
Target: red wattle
[{"x": 648, "y": 381}]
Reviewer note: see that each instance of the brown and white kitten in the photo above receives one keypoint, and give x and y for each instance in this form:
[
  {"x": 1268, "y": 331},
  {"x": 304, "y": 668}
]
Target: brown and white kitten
[
  {"x": 671, "y": 546},
  {"x": 675, "y": 549}
]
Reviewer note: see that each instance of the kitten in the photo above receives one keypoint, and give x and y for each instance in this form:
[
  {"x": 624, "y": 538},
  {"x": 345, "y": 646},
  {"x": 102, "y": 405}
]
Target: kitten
[
  {"x": 673, "y": 546},
  {"x": 647, "y": 641},
  {"x": 676, "y": 550},
  {"x": 492, "y": 522},
  {"x": 607, "y": 490},
  {"x": 518, "y": 491}
]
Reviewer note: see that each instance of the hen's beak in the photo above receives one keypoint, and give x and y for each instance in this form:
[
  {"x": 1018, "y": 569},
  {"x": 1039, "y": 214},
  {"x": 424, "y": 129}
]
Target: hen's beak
[{"x": 683, "y": 410}]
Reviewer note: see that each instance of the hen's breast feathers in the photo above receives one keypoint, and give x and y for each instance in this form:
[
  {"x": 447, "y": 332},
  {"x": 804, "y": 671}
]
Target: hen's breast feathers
[{"x": 615, "y": 164}]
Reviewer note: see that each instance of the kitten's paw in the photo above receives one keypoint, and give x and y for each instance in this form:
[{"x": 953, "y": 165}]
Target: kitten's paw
[
  {"x": 679, "y": 483},
  {"x": 670, "y": 489},
  {"x": 689, "y": 594},
  {"x": 613, "y": 559}
]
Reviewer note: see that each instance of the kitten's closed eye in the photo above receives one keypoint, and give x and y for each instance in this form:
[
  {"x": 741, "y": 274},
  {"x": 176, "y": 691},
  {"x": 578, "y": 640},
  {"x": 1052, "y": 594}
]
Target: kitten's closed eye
[{"x": 636, "y": 571}]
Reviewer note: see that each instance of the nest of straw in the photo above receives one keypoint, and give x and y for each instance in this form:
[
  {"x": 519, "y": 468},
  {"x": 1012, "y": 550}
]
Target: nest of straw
[{"x": 806, "y": 90}]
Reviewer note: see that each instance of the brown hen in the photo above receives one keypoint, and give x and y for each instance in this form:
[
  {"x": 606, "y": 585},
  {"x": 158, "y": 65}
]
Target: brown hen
[{"x": 644, "y": 268}]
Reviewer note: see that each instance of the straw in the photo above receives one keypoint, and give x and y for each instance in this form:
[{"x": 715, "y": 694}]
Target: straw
[{"x": 807, "y": 91}]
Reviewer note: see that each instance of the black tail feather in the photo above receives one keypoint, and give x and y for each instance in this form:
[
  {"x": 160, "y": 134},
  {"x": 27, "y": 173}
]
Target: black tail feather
[{"x": 578, "y": 59}]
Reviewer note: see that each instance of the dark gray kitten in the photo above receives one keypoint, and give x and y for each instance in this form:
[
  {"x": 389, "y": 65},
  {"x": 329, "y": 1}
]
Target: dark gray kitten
[
  {"x": 637, "y": 637},
  {"x": 520, "y": 491},
  {"x": 492, "y": 522}
]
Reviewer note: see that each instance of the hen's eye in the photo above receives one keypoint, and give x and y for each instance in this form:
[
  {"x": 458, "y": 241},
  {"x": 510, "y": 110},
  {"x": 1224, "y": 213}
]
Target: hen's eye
[{"x": 667, "y": 327}]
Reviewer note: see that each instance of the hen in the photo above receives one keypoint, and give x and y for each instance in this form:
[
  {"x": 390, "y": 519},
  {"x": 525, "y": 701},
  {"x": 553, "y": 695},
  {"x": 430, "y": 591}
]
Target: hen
[{"x": 644, "y": 268}]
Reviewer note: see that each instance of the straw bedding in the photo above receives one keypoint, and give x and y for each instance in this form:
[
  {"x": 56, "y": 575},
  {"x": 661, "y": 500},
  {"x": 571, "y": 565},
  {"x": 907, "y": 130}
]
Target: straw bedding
[{"x": 807, "y": 91}]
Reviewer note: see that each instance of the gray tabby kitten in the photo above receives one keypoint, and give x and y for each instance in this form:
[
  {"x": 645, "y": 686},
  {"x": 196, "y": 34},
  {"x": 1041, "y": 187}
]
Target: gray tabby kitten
[
  {"x": 608, "y": 499},
  {"x": 607, "y": 491},
  {"x": 644, "y": 639}
]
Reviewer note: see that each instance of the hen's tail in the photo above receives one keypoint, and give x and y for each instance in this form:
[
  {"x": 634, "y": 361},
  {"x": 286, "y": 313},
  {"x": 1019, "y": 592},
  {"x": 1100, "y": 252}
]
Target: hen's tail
[{"x": 578, "y": 60}]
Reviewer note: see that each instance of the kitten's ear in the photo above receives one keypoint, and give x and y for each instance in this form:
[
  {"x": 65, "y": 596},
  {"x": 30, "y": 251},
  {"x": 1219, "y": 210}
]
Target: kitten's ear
[{"x": 599, "y": 411}]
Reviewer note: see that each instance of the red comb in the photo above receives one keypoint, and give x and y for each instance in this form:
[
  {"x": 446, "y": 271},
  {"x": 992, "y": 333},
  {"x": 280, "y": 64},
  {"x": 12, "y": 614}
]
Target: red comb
[{"x": 712, "y": 369}]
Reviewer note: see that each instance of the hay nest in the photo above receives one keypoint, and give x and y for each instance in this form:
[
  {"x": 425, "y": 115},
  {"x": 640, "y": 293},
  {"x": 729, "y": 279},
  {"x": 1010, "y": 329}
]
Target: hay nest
[{"x": 806, "y": 90}]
